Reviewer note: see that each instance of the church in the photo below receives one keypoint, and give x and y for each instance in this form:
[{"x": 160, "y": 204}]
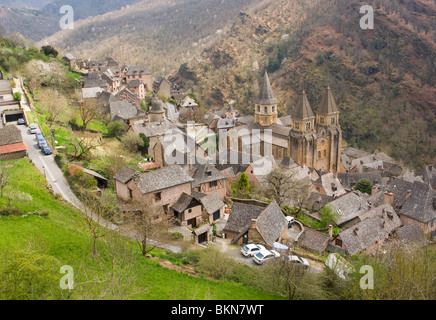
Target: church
[{"x": 308, "y": 139}]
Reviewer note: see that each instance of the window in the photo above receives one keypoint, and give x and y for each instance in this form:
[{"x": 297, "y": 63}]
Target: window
[
  {"x": 321, "y": 120},
  {"x": 333, "y": 120},
  {"x": 209, "y": 173},
  {"x": 297, "y": 125},
  {"x": 131, "y": 193},
  {"x": 189, "y": 210},
  {"x": 325, "y": 153},
  {"x": 258, "y": 108},
  {"x": 266, "y": 109},
  {"x": 319, "y": 154},
  {"x": 273, "y": 109},
  {"x": 158, "y": 196},
  {"x": 213, "y": 184},
  {"x": 308, "y": 125}
]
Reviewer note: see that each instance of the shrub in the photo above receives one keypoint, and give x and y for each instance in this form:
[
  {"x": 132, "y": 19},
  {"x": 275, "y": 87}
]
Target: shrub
[
  {"x": 11, "y": 211},
  {"x": 115, "y": 129},
  {"x": 364, "y": 185},
  {"x": 60, "y": 160},
  {"x": 17, "y": 96}
]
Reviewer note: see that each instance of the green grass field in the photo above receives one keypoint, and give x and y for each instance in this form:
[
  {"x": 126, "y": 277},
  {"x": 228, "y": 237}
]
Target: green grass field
[{"x": 64, "y": 237}]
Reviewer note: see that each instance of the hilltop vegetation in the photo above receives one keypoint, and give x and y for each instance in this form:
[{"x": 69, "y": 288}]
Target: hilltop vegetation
[{"x": 383, "y": 79}]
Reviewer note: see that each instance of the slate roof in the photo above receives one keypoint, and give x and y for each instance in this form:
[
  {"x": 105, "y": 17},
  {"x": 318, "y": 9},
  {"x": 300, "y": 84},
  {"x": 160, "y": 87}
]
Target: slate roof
[
  {"x": 10, "y": 135},
  {"x": 226, "y": 123},
  {"x": 354, "y": 153},
  {"x": 411, "y": 233},
  {"x": 302, "y": 109},
  {"x": 137, "y": 70},
  {"x": 184, "y": 202},
  {"x": 266, "y": 95},
  {"x": 313, "y": 241},
  {"x": 162, "y": 179},
  {"x": 125, "y": 175},
  {"x": 287, "y": 163},
  {"x": 271, "y": 223},
  {"x": 349, "y": 180},
  {"x": 328, "y": 103},
  {"x": 134, "y": 83},
  {"x": 212, "y": 203},
  {"x": 349, "y": 206},
  {"x": 123, "y": 109},
  {"x": 317, "y": 201},
  {"x": 154, "y": 129},
  {"x": 369, "y": 231},
  {"x": 429, "y": 175},
  {"x": 200, "y": 174},
  {"x": 240, "y": 217},
  {"x": 421, "y": 205}
]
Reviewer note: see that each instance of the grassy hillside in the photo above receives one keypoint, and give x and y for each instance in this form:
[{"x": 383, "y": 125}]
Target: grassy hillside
[
  {"x": 38, "y": 246},
  {"x": 383, "y": 79}
]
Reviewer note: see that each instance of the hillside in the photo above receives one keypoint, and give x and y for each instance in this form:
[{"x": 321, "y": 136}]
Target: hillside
[
  {"x": 41, "y": 233},
  {"x": 383, "y": 79},
  {"x": 160, "y": 34}
]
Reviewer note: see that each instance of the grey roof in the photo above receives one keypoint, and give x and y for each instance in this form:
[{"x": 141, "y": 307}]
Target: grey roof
[
  {"x": 354, "y": 153},
  {"x": 134, "y": 83},
  {"x": 349, "y": 180},
  {"x": 421, "y": 205},
  {"x": 429, "y": 175},
  {"x": 349, "y": 206},
  {"x": 200, "y": 174},
  {"x": 184, "y": 202},
  {"x": 328, "y": 104},
  {"x": 313, "y": 241},
  {"x": 226, "y": 123},
  {"x": 137, "y": 70},
  {"x": 271, "y": 223},
  {"x": 369, "y": 231},
  {"x": 245, "y": 119},
  {"x": 69, "y": 56},
  {"x": 240, "y": 217},
  {"x": 125, "y": 175},
  {"x": 266, "y": 95},
  {"x": 316, "y": 201},
  {"x": 302, "y": 110},
  {"x": 10, "y": 135},
  {"x": 123, "y": 109},
  {"x": 154, "y": 129},
  {"x": 162, "y": 179},
  {"x": 411, "y": 233},
  {"x": 94, "y": 174},
  {"x": 212, "y": 203},
  {"x": 287, "y": 163}
]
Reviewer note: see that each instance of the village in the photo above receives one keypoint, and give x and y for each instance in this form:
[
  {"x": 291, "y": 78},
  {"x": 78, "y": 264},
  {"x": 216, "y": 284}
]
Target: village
[{"x": 261, "y": 185}]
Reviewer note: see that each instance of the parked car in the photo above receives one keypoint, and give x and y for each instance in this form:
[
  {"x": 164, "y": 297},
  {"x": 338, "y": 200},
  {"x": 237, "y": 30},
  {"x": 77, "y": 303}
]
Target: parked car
[
  {"x": 298, "y": 261},
  {"x": 39, "y": 135},
  {"x": 46, "y": 150},
  {"x": 251, "y": 249},
  {"x": 42, "y": 143},
  {"x": 291, "y": 221},
  {"x": 265, "y": 255},
  {"x": 21, "y": 121},
  {"x": 33, "y": 128}
]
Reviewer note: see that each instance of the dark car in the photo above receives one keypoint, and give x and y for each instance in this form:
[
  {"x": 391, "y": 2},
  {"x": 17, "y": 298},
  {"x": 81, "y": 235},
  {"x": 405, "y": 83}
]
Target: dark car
[
  {"x": 46, "y": 150},
  {"x": 21, "y": 121},
  {"x": 42, "y": 143}
]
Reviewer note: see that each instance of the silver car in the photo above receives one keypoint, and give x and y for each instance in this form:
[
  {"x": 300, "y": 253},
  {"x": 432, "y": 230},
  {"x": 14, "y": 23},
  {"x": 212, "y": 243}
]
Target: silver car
[{"x": 264, "y": 256}]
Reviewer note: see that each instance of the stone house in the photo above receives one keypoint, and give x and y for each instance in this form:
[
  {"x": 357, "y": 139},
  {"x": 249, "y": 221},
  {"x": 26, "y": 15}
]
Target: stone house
[
  {"x": 138, "y": 87},
  {"x": 128, "y": 96},
  {"x": 213, "y": 206},
  {"x": 188, "y": 210},
  {"x": 162, "y": 85},
  {"x": 140, "y": 73},
  {"x": 313, "y": 241},
  {"x": 112, "y": 80},
  {"x": 126, "y": 112},
  {"x": 161, "y": 188},
  {"x": 249, "y": 224},
  {"x": 70, "y": 60},
  {"x": 207, "y": 180}
]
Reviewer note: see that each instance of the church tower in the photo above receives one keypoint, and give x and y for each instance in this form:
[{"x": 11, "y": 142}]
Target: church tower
[
  {"x": 303, "y": 135},
  {"x": 329, "y": 134},
  {"x": 266, "y": 113},
  {"x": 157, "y": 111}
]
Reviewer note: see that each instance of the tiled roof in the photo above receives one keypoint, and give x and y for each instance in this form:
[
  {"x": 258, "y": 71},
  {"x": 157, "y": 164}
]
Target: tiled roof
[
  {"x": 212, "y": 203},
  {"x": 137, "y": 70},
  {"x": 271, "y": 223},
  {"x": 11, "y": 148},
  {"x": 240, "y": 217},
  {"x": 313, "y": 240},
  {"x": 421, "y": 205},
  {"x": 328, "y": 104},
  {"x": 184, "y": 202},
  {"x": 302, "y": 110},
  {"x": 411, "y": 233},
  {"x": 162, "y": 179},
  {"x": 10, "y": 135},
  {"x": 125, "y": 175}
]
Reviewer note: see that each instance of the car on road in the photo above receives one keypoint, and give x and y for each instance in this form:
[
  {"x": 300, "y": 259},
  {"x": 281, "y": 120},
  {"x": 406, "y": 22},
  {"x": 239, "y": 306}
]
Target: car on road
[
  {"x": 291, "y": 221},
  {"x": 264, "y": 256},
  {"x": 46, "y": 150},
  {"x": 39, "y": 135},
  {"x": 33, "y": 128},
  {"x": 42, "y": 143},
  {"x": 251, "y": 249},
  {"x": 297, "y": 261},
  {"x": 21, "y": 121}
]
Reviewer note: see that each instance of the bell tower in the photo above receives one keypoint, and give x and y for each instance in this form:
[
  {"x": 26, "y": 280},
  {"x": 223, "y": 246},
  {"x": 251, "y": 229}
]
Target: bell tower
[
  {"x": 266, "y": 112},
  {"x": 303, "y": 135}
]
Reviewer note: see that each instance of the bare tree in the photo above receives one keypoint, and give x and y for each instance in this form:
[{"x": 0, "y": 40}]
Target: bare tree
[
  {"x": 144, "y": 226},
  {"x": 82, "y": 145},
  {"x": 287, "y": 187},
  {"x": 53, "y": 102}
]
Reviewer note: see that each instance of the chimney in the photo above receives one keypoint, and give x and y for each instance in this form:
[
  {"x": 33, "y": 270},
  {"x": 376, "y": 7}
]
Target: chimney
[
  {"x": 253, "y": 223},
  {"x": 356, "y": 231},
  {"x": 330, "y": 231},
  {"x": 389, "y": 198}
]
